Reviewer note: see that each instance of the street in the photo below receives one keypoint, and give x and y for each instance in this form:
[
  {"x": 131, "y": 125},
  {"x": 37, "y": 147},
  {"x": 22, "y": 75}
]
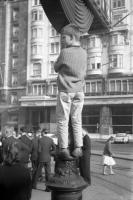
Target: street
[
  {"x": 111, "y": 187},
  {"x": 120, "y": 185},
  {"x": 124, "y": 149}
]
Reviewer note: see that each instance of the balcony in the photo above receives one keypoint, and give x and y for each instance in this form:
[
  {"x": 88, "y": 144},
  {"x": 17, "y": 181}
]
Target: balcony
[
  {"x": 36, "y": 56},
  {"x": 118, "y": 70},
  {"x": 94, "y": 72},
  {"x": 42, "y": 89}
]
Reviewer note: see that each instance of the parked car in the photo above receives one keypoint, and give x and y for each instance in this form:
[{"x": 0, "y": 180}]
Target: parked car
[{"x": 121, "y": 138}]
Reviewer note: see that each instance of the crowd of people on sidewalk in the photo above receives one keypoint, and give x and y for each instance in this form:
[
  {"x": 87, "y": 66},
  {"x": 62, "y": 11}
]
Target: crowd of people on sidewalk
[
  {"x": 32, "y": 152},
  {"x": 24, "y": 154}
]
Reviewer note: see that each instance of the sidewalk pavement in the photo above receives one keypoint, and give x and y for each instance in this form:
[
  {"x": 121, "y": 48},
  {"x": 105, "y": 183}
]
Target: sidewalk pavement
[{"x": 94, "y": 192}]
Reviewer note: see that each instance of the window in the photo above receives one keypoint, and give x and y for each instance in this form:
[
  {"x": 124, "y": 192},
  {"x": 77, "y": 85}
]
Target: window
[
  {"x": 117, "y": 39},
  {"x": 55, "y": 47},
  {"x": 99, "y": 87},
  {"x": 39, "y": 89},
  {"x": 44, "y": 89},
  {"x": 94, "y": 63},
  {"x": 37, "y": 15},
  {"x": 124, "y": 85},
  {"x": 114, "y": 39},
  {"x": 54, "y": 32},
  {"x": 39, "y": 32},
  {"x": 118, "y": 17},
  {"x": 14, "y": 79},
  {"x": 14, "y": 62},
  {"x": 14, "y": 98},
  {"x": 52, "y": 71},
  {"x": 94, "y": 42},
  {"x": 52, "y": 47},
  {"x": 94, "y": 87},
  {"x": 39, "y": 49},
  {"x": 34, "y": 33},
  {"x": 35, "y": 89},
  {"x": 118, "y": 85},
  {"x": 15, "y": 14},
  {"x": 36, "y": 69},
  {"x": 34, "y": 15},
  {"x": 54, "y": 89},
  {"x": 112, "y": 86},
  {"x": 87, "y": 87},
  {"x": 91, "y": 42},
  {"x": 36, "y": 50},
  {"x": 116, "y": 61},
  {"x": 15, "y": 31},
  {"x": 118, "y": 3},
  {"x": 130, "y": 85},
  {"x": 40, "y": 15},
  {"x": 15, "y": 47},
  {"x": 36, "y": 2}
]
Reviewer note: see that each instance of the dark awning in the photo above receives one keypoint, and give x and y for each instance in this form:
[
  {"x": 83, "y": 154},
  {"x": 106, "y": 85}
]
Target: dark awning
[{"x": 84, "y": 13}]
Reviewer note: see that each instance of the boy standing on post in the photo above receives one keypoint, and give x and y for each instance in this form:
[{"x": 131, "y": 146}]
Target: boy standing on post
[{"x": 71, "y": 67}]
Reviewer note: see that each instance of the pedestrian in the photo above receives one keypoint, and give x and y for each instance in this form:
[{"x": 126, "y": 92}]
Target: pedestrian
[
  {"x": 45, "y": 149},
  {"x": 108, "y": 160},
  {"x": 71, "y": 67},
  {"x": 34, "y": 153},
  {"x": 9, "y": 139},
  {"x": 15, "y": 180},
  {"x": 26, "y": 144},
  {"x": 84, "y": 160}
]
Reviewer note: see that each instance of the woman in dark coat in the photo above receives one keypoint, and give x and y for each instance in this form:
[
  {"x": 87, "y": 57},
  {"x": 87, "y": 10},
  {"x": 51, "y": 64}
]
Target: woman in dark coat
[
  {"x": 108, "y": 160},
  {"x": 15, "y": 180},
  {"x": 84, "y": 161}
]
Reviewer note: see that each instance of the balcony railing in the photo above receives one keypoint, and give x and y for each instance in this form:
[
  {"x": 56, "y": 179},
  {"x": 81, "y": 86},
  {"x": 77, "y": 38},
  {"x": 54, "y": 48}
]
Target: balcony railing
[{"x": 50, "y": 89}]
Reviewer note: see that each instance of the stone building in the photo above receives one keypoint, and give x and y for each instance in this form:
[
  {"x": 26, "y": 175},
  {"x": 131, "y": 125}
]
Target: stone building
[
  {"x": 108, "y": 106},
  {"x": 13, "y": 59}
]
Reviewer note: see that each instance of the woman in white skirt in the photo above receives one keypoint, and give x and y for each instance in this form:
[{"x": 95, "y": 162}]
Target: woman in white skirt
[{"x": 108, "y": 161}]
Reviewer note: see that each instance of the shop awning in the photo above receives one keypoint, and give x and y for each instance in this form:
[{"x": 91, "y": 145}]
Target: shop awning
[{"x": 84, "y": 13}]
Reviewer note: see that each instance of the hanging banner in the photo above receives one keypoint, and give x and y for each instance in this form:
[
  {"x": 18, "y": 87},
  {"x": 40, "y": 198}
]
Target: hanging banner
[{"x": 86, "y": 14}]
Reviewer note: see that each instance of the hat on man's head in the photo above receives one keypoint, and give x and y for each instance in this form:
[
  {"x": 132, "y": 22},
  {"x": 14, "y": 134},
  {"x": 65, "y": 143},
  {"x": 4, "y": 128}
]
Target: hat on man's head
[{"x": 71, "y": 29}]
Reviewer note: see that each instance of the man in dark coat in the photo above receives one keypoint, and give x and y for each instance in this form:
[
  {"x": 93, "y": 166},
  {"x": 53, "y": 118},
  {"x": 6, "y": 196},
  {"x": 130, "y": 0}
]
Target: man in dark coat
[
  {"x": 46, "y": 147},
  {"x": 84, "y": 160},
  {"x": 34, "y": 152},
  {"x": 25, "y": 152}
]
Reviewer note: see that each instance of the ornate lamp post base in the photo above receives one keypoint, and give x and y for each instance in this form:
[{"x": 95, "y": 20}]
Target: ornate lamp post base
[{"x": 66, "y": 183}]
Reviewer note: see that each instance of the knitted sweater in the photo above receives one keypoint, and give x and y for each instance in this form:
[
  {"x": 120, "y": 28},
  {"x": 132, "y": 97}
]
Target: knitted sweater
[{"x": 71, "y": 68}]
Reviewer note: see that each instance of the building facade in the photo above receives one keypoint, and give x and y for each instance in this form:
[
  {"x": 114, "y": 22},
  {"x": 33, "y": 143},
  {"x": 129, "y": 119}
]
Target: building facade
[
  {"x": 13, "y": 59},
  {"x": 108, "y": 106}
]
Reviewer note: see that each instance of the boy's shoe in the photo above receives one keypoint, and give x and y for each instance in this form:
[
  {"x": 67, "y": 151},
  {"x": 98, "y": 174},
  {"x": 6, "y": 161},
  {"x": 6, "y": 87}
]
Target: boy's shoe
[
  {"x": 77, "y": 152},
  {"x": 64, "y": 154},
  {"x": 105, "y": 174}
]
